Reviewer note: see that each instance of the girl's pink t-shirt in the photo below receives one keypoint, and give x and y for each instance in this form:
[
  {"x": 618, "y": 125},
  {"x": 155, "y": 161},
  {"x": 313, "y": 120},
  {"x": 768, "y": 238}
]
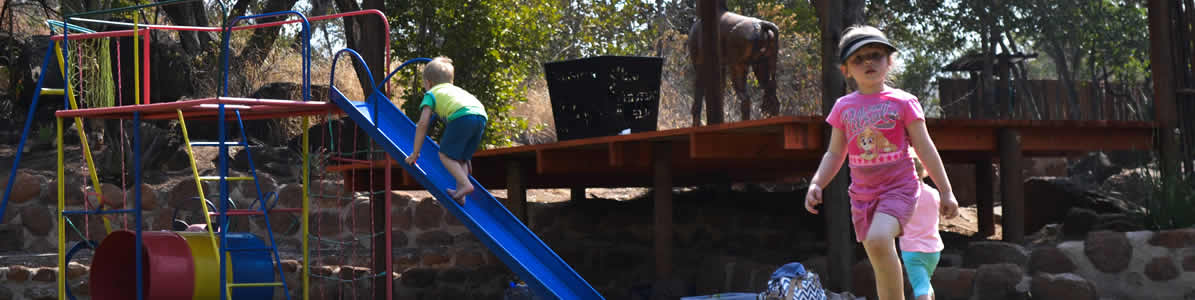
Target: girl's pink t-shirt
[
  {"x": 877, "y": 144},
  {"x": 920, "y": 233}
]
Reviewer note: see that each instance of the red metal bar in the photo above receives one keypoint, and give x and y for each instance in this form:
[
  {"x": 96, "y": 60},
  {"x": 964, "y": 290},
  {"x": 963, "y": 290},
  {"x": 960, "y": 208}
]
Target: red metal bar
[{"x": 145, "y": 66}]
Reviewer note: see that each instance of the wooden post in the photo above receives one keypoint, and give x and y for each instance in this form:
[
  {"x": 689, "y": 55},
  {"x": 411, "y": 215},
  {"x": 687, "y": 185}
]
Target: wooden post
[
  {"x": 383, "y": 285},
  {"x": 709, "y": 75},
  {"x": 516, "y": 190},
  {"x": 988, "y": 107},
  {"x": 576, "y": 193},
  {"x": 1012, "y": 187},
  {"x": 662, "y": 173},
  {"x": 984, "y": 196},
  {"x": 840, "y": 254},
  {"x": 1161, "y": 53},
  {"x": 1007, "y": 109}
]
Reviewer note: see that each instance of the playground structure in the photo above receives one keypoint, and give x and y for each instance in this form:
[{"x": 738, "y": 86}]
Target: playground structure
[
  {"x": 215, "y": 263},
  {"x": 624, "y": 161}
]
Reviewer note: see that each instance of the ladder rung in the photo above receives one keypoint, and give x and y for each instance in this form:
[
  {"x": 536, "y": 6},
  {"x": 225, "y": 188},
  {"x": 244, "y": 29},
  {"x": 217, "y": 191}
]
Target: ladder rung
[
  {"x": 216, "y": 144},
  {"x": 46, "y": 91},
  {"x": 249, "y": 249},
  {"x": 214, "y": 178},
  {"x": 254, "y": 212},
  {"x": 102, "y": 212},
  {"x": 254, "y": 284}
]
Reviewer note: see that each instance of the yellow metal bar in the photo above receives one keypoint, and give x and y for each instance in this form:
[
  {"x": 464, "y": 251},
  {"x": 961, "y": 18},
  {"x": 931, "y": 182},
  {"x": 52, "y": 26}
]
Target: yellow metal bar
[
  {"x": 306, "y": 210},
  {"x": 215, "y": 178},
  {"x": 53, "y": 92},
  {"x": 95, "y": 180},
  {"x": 255, "y": 284},
  {"x": 207, "y": 218},
  {"x": 61, "y": 221}
]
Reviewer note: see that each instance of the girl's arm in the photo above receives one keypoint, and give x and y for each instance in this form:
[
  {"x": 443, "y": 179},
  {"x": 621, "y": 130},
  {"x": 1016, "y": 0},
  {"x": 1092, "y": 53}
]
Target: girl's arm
[
  {"x": 919, "y": 136},
  {"x": 420, "y": 134},
  {"x": 831, "y": 162}
]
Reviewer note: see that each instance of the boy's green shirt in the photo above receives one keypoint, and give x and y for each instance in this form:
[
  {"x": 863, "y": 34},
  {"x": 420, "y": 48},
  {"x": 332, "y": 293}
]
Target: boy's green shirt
[{"x": 451, "y": 102}]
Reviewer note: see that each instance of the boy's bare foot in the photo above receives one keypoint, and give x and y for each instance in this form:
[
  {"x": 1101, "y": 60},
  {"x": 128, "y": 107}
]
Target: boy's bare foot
[{"x": 460, "y": 193}]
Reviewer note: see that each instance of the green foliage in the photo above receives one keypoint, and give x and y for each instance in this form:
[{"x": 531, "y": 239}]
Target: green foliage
[
  {"x": 1169, "y": 209},
  {"x": 604, "y": 27},
  {"x": 494, "y": 46},
  {"x": 1102, "y": 39}
]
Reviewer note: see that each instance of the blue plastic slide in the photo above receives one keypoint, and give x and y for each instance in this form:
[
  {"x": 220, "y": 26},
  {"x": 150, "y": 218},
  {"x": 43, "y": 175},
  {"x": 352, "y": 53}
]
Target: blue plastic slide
[{"x": 543, "y": 270}]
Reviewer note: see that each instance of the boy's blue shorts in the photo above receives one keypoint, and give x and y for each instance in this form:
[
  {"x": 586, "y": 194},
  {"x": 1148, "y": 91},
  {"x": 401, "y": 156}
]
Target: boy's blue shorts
[
  {"x": 462, "y": 137},
  {"x": 920, "y": 266}
]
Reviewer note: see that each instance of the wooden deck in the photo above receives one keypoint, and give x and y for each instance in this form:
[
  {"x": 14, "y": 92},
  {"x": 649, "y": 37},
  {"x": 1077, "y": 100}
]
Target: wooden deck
[{"x": 782, "y": 149}]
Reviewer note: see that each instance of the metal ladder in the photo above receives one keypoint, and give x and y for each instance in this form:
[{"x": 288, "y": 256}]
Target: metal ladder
[{"x": 226, "y": 284}]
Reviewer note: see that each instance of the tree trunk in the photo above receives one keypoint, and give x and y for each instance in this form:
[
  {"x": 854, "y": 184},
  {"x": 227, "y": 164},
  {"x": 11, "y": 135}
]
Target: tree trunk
[
  {"x": 366, "y": 34},
  {"x": 1062, "y": 66},
  {"x": 190, "y": 14},
  {"x": 262, "y": 41},
  {"x": 239, "y": 9}
]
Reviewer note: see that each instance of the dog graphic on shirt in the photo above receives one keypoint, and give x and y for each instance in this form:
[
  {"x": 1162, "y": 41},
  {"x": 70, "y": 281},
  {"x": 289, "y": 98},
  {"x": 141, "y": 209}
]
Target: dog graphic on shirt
[{"x": 873, "y": 143}]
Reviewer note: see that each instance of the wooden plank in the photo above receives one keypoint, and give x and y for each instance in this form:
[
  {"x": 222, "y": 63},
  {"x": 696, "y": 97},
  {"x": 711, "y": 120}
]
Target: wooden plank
[
  {"x": 516, "y": 190},
  {"x": 576, "y": 194},
  {"x": 952, "y": 138},
  {"x": 662, "y": 174},
  {"x": 630, "y": 154},
  {"x": 1085, "y": 139},
  {"x": 549, "y": 161},
  {"x": 1012, "y": 188},
  {"x": 736, "y": 145},
  {"x": 803, "y": 136},
  {"x": 985, "y": 174}
]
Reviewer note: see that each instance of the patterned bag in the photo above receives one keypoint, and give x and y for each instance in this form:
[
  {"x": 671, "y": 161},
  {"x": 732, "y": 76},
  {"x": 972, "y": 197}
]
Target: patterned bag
[{"x": 792, "y": 282}]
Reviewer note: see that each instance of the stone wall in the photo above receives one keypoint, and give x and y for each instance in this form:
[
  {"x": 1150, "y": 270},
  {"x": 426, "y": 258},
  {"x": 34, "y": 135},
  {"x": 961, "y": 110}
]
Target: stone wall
[
  {"x": 742, "y": 235},
  {"x": 1104, "y": 265},
  {"x": 724, "y": 242}
]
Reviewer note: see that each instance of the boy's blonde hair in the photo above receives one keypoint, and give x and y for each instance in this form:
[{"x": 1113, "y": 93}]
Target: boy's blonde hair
[
  {"x": 920, "y": 169},
  {"x": 438, "y": 71}
]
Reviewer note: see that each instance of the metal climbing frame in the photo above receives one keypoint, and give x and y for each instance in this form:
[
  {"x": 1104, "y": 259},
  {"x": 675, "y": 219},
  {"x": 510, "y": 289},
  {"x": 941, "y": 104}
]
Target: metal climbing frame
[{"x": 202, "y": 109}]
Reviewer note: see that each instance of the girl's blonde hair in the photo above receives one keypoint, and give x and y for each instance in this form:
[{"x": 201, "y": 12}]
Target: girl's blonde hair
[{"x": 438, "y": 71}]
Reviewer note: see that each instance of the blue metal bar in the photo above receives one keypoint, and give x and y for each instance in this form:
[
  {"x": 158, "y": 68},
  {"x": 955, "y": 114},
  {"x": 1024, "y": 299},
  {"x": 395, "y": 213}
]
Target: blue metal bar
[
  {"x": 84, "y": 244},
  {"x": 306, "y": 49},
  {"x": 249, "y": 158},
  {"x": 16, "y": 163},
  {"x": 264, "y": 212},
  {"x": 65, "y": 27},
  {"x": 137, "y": 199},
  {"x": 372, "y": 84},
  {"x": 404, "y": 64},
  {"x": 223, "y": 170},
  {"x": 100, "y": 212},
  {"x": 336, "y": 58}
]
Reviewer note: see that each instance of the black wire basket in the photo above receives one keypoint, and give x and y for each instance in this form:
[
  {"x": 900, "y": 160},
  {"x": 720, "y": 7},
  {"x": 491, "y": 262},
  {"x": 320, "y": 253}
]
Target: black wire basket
[{"x": 604, "y": 95}]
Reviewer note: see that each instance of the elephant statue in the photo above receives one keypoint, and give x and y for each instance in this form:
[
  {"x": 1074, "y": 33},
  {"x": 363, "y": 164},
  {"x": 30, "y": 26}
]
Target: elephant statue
[{"x": 744, "y": 42}]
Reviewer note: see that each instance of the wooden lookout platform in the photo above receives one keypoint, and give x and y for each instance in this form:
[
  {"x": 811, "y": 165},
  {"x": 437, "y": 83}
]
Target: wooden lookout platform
[{"x": 781, "y": 149}]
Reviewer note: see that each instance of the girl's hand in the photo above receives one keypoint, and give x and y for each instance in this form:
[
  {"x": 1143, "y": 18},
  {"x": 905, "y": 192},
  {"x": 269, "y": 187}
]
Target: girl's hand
[
  {"x": 813, "y": 197},
  {"x": 949, "y": 206},
  {"x": 412, "y": 158}
]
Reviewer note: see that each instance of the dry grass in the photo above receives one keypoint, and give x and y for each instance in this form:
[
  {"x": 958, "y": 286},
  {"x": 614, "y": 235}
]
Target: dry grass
[{"x": 799, "y": 87}]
